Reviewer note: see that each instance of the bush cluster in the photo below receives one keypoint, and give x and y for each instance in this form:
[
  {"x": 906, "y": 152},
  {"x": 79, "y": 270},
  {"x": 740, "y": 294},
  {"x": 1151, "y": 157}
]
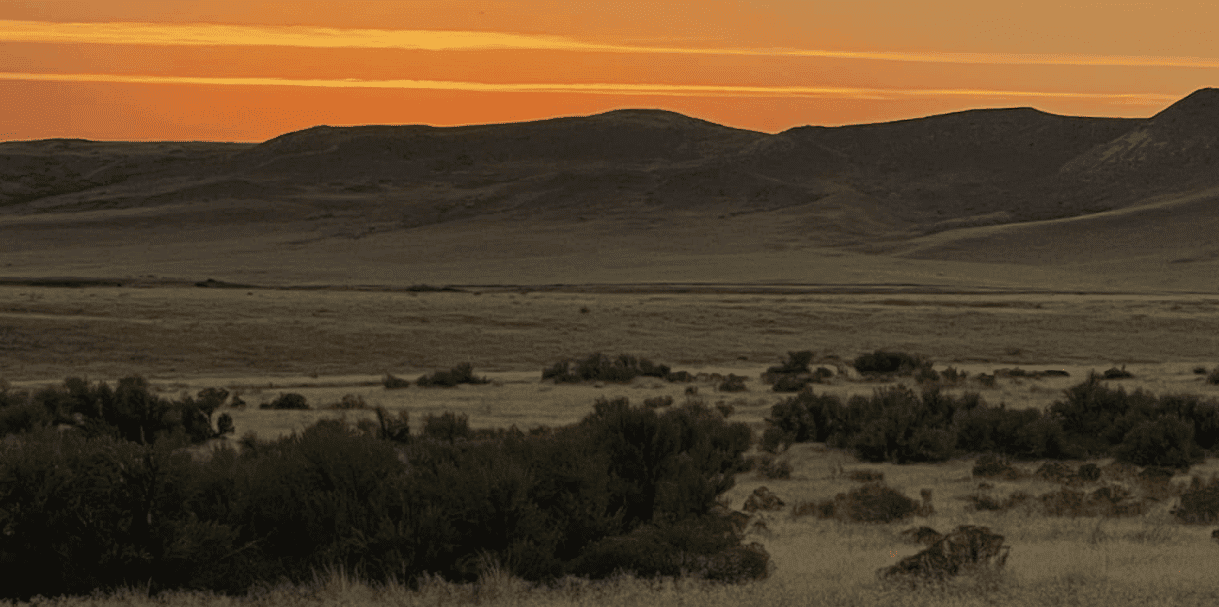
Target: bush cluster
[
  {"x": 883, "y": 362},
  {"x": 1092, "y": 420},
  {"x": 600, "y": 367},
  {"x": 461, "y": 374},
  {"x": 129, "y": 411},
  {"x": 872, "y": 502},
  {"x": 627, "y": 488},
  {"x": 794, "y": 373},
  {"x": 288, "y": 400},
  {"x": 1199, "y": 504}
]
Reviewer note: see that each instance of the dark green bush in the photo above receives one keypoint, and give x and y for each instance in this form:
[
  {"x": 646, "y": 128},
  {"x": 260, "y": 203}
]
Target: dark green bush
[
  {"x": 447, "y": 426},
  {"x": 733, "y": 383},
  {"x": 599, "y": 367},
  {"x": 796, "y": 364},
  {"x": 1089, "y": 472},
  {"x": 287, "y": 400},
  {"x": 703, "y": 546},
  {"x": 1213, "y": 377},
  {"x": 81, "y": 513},
  {"x": 1023, "y": 433},
  {"x": 392, "y": 382},
  {"x": 791, "y": 383},
  {"x": 872, "y": 503},
  {"x": 671, "y": 465},
  {"x": 1116, "y": 373},
  {"x": 902, "y": 427},
  {"x": 1199, "y": 504},
  {"x": 882, "y": 362},
  {"x": 807, "y": 417},
  {"x": 1166, "y": 441},
  {"x": 396, "y": 428},
  {"x": 461, "y": 374},
  {"x": 991, "y": 465},
  {"x": 657, "y": 402}
]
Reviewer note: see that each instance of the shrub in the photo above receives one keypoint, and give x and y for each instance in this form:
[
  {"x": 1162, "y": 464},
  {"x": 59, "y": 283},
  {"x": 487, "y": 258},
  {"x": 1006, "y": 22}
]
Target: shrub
[
  {"x": 1116, "y": 373},
  {"x": 670, "y": 465},
  {"x": 1089, "y": 472},
  {"x": 461, "y": 374},
  {"x": 902, "y": 428},
  {"x": 796, "y": 363},
  {"x": 775, "y": 439},
  {"x": 392, "y": 382},
  {"x": 349, "y": 402},
  {"x": 1165, "y": 441},
  {"x": 733, "y": 383},
  {"x": 1199, "y": 504},
  {"x": 82, "y": 513},
  {"x": 1213, "y": 378},
  {"x": 599, "y": 367},
  {"x": 1023, "y": 433},
  {"x": 657, "y": 402},
  {"x": 882, "y": 362},
  {"x": 791, "y": 383},
  {"x": 224, "y": 425},
  {"x": 991, "y": 466},
  {"x": 393, "y": 428},
  {"x": 704, "y": 546},
  {"x": 952, "y": 376},
  {"x": 874, "y": 503},
  {"x": 289, "y": 400},
  {"x": 680, "y": 377},
  {"x": 1199, "y": 370},
  {"x": 447, "y": 426},
  {"x": 19, "y": 413}
]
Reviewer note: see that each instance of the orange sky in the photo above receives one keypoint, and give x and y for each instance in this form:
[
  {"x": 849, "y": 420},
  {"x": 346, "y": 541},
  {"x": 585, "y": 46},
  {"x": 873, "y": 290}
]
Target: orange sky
[{"x": 249, "y": 70}]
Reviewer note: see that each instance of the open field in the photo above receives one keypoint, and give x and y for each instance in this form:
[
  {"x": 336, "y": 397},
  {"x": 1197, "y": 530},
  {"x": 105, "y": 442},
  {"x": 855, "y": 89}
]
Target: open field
[{"x": 324, "y": 344}]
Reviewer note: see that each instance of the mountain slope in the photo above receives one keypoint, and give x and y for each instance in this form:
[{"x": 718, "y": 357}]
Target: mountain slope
[{"x": 1005, "y": 186}]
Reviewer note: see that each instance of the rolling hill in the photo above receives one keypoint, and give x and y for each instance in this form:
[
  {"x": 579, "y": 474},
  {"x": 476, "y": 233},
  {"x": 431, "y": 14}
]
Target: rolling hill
[{"x": 1012, "y": 198}]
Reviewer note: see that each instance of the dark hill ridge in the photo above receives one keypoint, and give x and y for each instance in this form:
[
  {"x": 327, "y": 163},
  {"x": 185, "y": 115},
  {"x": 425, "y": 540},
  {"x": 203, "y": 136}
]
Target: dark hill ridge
[{"x": 808, "y": 186}]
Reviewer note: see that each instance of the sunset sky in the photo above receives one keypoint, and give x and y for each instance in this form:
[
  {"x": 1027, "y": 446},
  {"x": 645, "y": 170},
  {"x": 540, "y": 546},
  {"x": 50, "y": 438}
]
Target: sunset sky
[{"x": 249, "y": 70}]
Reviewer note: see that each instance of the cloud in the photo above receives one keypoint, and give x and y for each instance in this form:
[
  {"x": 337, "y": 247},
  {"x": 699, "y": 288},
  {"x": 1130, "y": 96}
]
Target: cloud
[
  {"x": 195, "y": 34},
  {"x": 683, "y": 90}
]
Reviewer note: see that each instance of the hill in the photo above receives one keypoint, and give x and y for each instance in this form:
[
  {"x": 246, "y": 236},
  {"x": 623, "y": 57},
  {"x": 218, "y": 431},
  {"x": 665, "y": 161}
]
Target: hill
[{"x": 632, "y": 196}]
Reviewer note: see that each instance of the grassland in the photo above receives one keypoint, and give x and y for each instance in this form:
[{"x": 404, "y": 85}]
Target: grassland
[{"x": 324, "y": 344}]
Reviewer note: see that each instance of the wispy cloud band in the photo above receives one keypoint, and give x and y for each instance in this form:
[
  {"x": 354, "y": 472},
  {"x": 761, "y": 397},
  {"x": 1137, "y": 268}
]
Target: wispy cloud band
[
  {"x": 195, "y": 34},
  {"x": 681, "y": 90}
]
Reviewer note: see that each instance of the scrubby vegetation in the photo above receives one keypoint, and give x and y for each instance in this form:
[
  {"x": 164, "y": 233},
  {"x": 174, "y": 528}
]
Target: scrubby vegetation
[
  {"x": 461, "y": 374},
  {"x": 599, "y": 367},
  {"x": 115, "y": 502},
  {"x": 288, "y": 400},
  {"x": 882, "y": 362},
  {"x": 129, "y": 411},
  {"x": 1092, "y": 420},
  {"x": 872, "y": 502},
  {"x": 392, "y": 382}
]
